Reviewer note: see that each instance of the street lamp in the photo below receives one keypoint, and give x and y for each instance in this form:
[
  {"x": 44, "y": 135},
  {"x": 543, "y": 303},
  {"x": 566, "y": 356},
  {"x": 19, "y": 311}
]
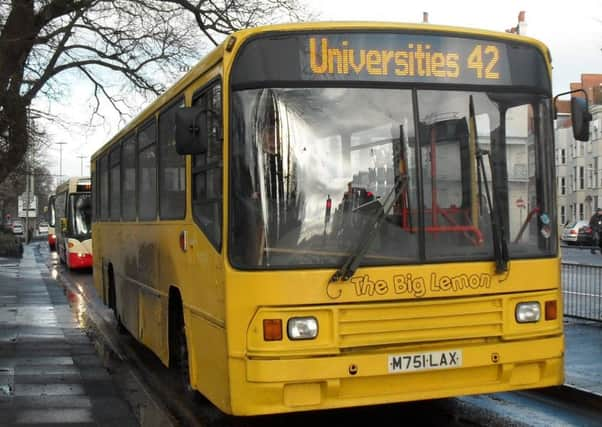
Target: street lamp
[
  {"x": 60, "y": 144},
  {"x": 81, "y": 165}
]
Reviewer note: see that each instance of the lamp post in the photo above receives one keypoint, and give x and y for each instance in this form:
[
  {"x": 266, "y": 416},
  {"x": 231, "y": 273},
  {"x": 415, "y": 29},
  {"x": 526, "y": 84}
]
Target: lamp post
[
  {"x": 60, "y": 144},
  {"x": 81, "y": 165}
]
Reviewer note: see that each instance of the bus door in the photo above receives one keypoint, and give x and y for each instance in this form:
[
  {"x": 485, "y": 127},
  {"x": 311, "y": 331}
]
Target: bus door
[{"x": 450, "y": 182}]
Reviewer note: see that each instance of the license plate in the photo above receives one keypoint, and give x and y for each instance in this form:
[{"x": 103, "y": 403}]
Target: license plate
[{"x": 411, "y": 362}]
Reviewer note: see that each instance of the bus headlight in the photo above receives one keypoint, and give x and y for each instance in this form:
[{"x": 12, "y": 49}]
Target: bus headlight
[
  {"x": 302, "y": 328},
  {"x": 527, "y": 312}
]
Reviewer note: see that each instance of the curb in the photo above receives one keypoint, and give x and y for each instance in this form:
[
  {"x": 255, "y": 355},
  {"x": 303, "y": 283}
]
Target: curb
[{"x": 580, "y": 395}]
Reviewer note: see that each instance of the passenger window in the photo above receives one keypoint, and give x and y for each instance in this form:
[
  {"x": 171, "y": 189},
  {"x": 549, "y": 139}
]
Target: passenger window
[
  {"x": 104, "y": 187},
  {"x": 115, "y": 183},
  {"x": 128, "y": 179},
  {"x": 95, "y": 204},
  {"x": 207, "y": 169},
  {"x": 147, "y": 171},
  {"x": 172, "y": 168}
]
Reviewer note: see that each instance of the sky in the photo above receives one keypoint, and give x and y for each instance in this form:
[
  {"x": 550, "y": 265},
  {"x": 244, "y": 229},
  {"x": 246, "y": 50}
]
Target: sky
[{"x": 571, "y": 30}]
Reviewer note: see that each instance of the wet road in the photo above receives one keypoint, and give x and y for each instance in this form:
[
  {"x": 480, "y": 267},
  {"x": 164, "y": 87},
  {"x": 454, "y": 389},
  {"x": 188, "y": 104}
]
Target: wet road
[
  {"x": 156, "y": 394},
  {"x": 580, "y": 255}
]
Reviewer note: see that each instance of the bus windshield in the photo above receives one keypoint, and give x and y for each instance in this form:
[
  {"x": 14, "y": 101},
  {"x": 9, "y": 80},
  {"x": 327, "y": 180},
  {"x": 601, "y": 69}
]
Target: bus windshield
[
  {"x": 80, "y": 206},
  {"x": 311, "y": 165}
]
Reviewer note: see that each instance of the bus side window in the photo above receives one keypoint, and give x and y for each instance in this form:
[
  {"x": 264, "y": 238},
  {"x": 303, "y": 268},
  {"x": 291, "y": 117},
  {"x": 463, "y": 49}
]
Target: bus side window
[
  {"x": 207, "y": 168},
  {"x": 172, "y": 167}
]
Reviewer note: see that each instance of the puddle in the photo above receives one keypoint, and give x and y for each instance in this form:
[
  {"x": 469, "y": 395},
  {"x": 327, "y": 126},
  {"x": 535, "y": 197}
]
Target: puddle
[{"x": 6, "y": 390}]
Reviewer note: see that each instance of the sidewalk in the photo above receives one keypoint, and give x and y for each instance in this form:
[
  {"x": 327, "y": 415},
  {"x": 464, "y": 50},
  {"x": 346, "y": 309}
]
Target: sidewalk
[
  {"x": 583, "y": 358},
  {"x": 50, "y": 373}
]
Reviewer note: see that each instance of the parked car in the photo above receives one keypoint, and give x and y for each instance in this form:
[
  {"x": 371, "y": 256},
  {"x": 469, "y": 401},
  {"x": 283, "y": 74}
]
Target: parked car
[
  {"x": 577, "y": 232},
  {"x": 43, "y": 228},
  {"x": 17, "y": 228}
]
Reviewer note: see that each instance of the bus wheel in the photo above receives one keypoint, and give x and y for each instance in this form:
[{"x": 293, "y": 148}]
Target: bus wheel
[
  {"x": 178, "y": 349},
  {"x": 113, "y": 302}
]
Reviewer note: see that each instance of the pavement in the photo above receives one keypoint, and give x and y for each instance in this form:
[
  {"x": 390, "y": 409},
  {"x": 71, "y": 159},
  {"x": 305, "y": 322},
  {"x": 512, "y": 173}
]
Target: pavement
[
  {"x": 583, "y": 356},
  {"x": 51, "y": 374}
]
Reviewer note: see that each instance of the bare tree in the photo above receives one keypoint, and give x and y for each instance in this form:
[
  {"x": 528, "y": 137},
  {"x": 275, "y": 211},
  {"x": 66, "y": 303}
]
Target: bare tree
[
  {"x": 33, "y": 165},
  {"x": 118, "y": 45}
]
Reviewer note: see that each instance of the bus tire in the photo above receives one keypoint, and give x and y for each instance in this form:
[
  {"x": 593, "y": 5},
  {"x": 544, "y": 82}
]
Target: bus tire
[
  {"x": 113, "y": 300},
  {"x": 178, "y": 347}
]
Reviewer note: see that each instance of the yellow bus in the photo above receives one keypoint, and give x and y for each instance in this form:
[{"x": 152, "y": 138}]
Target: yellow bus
[
  {"x": 71, "y": 216},
  {"x": 327, "y": 215}
]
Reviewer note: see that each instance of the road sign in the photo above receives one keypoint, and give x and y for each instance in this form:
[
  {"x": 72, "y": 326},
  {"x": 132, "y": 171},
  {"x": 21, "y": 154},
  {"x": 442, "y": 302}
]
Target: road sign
[{"x": 27, "y": 211}]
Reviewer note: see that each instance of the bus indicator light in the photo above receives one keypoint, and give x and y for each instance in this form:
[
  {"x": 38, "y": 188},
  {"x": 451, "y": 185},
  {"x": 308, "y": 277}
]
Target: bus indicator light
[
  {"x": 551, "y": 310},
  {"x": 272, "y": 329}
]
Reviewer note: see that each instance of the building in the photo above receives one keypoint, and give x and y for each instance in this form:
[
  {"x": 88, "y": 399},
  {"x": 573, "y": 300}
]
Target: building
[{"x": 579, "y": 163}]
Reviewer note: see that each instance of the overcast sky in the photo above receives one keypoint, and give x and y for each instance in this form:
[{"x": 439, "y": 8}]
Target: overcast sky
[{"x": 571, "y": 30}]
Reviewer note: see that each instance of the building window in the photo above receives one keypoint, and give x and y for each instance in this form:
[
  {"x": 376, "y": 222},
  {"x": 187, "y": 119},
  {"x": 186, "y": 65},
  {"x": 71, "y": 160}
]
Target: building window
[
  {"x": 581, "y": 178},
  {"x": 590, "y": 176},
  {"x": 562, "y": 186},
  {"x": 562, "y": 156},
  {"x": 581, "y": 211},
  {"x": 562, "y": 215}
]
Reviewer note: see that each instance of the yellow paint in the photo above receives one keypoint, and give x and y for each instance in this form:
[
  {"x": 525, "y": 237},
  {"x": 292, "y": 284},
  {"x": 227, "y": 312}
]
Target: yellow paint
[{"x": 382, "y": 312}]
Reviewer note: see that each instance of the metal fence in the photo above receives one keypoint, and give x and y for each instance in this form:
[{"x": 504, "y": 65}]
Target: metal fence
[{"x": 582, "y": 291}]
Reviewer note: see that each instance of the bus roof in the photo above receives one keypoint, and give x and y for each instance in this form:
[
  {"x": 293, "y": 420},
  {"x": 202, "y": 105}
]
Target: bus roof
[
  {"x": 226, "y": 51},
  {"x": 71, "y": 184}
]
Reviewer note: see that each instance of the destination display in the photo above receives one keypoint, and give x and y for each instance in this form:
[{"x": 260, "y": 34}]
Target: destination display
[
  {"x": 405, "y": 58},
  {"x": 390, "y": 57}
]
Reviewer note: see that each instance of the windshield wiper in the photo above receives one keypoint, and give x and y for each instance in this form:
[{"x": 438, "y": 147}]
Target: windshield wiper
[
  {"x": 348, "y": 269},
  {"x": 500, "y": 246}
]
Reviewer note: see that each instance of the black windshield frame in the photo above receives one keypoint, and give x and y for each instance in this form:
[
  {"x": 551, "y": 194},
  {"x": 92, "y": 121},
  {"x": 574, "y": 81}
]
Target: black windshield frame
[
  {"x": 251, "y": 70},
  {"x": 543, "y": 159}
]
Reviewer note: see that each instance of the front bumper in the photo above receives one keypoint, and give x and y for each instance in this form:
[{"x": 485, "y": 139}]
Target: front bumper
[
  {"x": 285, "y": 385},
  {"x": 79, "y": 260}
]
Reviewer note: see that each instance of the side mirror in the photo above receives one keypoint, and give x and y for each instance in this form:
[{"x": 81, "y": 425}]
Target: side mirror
[
  {"x": 191, "y": 130},
  {"x": 580, "y": 116}
]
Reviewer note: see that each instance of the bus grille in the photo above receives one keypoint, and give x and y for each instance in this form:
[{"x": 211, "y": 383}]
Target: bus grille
[{"x": 419, "y": 322}]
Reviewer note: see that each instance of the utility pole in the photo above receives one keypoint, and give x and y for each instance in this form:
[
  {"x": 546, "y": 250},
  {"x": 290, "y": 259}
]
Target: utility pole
[
  {"x": 60, "y": 178},
  {"x": 29, "y": 189},
  {"x": 81, "y": 165}
]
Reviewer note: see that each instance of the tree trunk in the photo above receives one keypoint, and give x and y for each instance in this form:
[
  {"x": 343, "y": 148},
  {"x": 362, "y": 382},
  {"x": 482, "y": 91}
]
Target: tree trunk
[{"x": 16, "y": 42}]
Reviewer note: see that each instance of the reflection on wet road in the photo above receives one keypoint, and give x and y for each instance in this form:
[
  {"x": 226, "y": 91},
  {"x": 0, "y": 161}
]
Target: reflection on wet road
[{"x": 157, "y": 398}]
